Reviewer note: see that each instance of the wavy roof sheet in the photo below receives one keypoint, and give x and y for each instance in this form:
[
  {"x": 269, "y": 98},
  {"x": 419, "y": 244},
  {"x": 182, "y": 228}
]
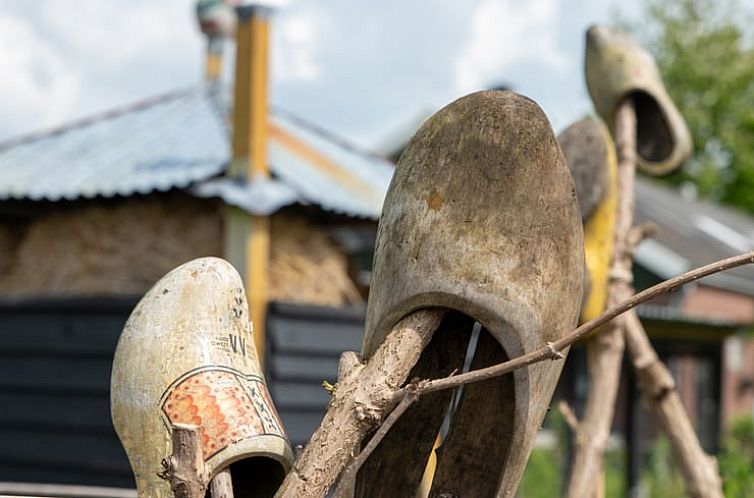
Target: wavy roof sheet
[{"x": 181, "y": 140}]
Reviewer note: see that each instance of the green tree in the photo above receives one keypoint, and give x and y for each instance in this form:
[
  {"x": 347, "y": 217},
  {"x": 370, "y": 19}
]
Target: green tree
[{"x": 707, "y": 62}]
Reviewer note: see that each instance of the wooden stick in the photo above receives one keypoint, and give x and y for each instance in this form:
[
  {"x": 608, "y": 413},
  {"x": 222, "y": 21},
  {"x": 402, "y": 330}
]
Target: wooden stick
[
  {"x": 605, "y": 352},
  {"x": 358, "y": 406},
  {"x": 659, "y": 392},
  {"x": 551, "y": 351},
  {"x": 185, "y": 467},
  {"x": 348, "y": 478},
  {"x": 221, "y": 486}
]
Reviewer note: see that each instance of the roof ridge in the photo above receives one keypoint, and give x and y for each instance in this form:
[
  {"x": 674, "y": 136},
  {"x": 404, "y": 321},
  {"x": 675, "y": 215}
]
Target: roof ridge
[
  {"x": 96, "y": 117},
  {"x": 329, "y": 135}
]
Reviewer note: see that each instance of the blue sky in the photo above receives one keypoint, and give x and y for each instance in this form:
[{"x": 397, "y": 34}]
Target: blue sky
[{"x": 366, "y": 70}]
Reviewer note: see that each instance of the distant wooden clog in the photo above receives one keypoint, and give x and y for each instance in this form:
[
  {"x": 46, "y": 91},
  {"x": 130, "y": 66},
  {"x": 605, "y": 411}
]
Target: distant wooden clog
[
  {"x": 590, "y": 154},
  {"x": 481, "y": 218},
  {"x": 186, "y": 355},
  {"x": 616, "y": 68}
]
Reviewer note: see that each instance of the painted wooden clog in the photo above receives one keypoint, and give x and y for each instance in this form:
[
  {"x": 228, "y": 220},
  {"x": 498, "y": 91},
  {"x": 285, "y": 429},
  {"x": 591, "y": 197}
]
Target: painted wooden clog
[
  {"x": 186, "y": 355},
  {"x": 616, "y": 68},
  {"x": 480, "y": 218},
  {"x": 590, "y": 154}
]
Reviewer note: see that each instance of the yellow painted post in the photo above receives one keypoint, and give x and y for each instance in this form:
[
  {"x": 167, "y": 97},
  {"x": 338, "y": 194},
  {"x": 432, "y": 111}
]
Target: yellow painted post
[{"x": 248, "y": 236}]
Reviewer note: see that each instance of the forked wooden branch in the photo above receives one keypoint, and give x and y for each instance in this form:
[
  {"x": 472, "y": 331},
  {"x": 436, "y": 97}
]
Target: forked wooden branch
[
  {"x": 660, "y": 395},
  {"x": 361, "y": 400},
  {"x": 604, "y": 352},
  {"x": 406, "y": 396}
]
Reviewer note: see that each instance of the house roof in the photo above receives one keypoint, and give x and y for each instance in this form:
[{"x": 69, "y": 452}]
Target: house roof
[
  {"x": 181, "y": 140},
  {"x": 692, "y": 233}
]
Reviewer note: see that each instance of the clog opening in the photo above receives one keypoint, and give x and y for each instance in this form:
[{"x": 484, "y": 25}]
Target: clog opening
[
  {"x": 654, "y": 138},
  {"x": 256, "y": 477},
  {"x": 473, "y": 425}
]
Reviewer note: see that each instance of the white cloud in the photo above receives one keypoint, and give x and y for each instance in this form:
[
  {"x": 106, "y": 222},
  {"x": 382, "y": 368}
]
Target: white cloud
[
  {"x": 295, "y": 42},
  {"x": 505, "y": 32},
  {"x": 39, "y": 88}
]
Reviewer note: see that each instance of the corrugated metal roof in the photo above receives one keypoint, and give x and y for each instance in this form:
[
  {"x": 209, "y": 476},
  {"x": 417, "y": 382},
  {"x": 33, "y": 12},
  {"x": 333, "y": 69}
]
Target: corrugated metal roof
[
  {"x": 181, "y": 140},
  {"x": 156, "y": 145},
  {"x": 692, "y": 233},
  {"x": 676, "y": 314}
]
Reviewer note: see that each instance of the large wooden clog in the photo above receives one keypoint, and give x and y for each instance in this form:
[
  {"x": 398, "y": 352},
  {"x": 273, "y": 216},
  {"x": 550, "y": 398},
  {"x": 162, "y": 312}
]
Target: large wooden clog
[
  {"x": 616, "y": 68},
  {"x": 186, "y": 355},
  {"x": 481, "y": 218}
]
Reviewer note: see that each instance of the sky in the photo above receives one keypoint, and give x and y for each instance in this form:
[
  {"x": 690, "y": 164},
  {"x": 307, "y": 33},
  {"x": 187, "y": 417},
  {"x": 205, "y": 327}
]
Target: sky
[{"x": 366, "y": 70}]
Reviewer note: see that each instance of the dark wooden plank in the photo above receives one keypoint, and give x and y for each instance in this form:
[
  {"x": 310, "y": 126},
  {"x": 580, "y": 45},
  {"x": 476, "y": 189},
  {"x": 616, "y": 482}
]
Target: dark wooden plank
[
  {"x": 60, "y": 411},
  {"x": 59, "y": 373},
  {"x": 299, "y": 396},
  {"x": 301, "y": 425},
  {"x": 52, "y": 333},
  {"x": 82, "y": 456},
  {"x": 291, "y": 368}
]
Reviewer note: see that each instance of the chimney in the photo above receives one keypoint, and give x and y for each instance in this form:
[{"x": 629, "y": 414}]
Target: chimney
[
  {"x": 218, "y": 22},
  {"x": 247, "y": 237},
  {"x": 250, "y": 93}
]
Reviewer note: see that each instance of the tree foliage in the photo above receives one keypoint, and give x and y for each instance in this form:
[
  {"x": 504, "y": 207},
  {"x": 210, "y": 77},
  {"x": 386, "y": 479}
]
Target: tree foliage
[{"x": 706, "y": 58}]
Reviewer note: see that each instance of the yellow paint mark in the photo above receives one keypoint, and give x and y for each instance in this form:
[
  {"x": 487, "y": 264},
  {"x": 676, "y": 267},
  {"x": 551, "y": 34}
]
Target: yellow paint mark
[
  {"x": 429, "y": 471},
  {"x": 599, "y": 239},
  {"x": 313, "y": 156}
]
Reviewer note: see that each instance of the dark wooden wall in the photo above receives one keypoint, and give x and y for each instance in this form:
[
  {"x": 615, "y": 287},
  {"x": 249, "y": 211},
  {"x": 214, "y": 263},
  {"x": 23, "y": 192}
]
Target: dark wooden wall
[
  {"x": 55, "y": 360},
  {"x": 304, "y": 344}
]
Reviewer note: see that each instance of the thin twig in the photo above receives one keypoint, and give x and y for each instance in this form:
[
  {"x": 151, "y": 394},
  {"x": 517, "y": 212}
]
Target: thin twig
[
  {"x": 570, "y": 418},
  {"x": 550, "y": 351},
  {"x": 349, "y": 475}
]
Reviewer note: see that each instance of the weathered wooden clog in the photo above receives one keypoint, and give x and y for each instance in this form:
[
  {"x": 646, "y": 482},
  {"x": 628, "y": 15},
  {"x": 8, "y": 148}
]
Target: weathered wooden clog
[
  {"x": 481, "y": 217},
  {"x": 590, "y": 154},
  {"x": 616, "y": 68},
  {"x": 186, "y": 355}
]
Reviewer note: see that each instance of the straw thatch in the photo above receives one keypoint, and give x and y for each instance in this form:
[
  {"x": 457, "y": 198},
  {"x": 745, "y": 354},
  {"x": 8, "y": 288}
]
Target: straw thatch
[
  {"x": 111, "y": 248},
  {"x": 306, "y": 266},
  {"x": 122, "y": 247}
]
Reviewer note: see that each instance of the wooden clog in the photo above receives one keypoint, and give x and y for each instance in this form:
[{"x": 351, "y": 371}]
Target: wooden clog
[
  {"x": 616, "y": 68},
  {"x": 186, "y": 355},
  {"x": 481, "y": 217},
  {"x": 590, "y": 154}
]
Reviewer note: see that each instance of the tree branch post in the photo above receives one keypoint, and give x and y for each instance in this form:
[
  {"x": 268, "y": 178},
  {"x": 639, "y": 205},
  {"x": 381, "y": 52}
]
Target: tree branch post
[
  {"x": 184, "y": 469},
  {"x": 605, "y": 351},
  {"x": 361, "y": 400}
]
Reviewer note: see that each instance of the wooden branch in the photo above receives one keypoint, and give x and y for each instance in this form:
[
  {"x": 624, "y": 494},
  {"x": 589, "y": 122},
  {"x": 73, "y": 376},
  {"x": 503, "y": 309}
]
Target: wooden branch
[
  {"x": 568, "y": 415},
  {"x": 345, "y": 488},
  {"x": 605, "y": 351},
  {"x": 358, "y": 406},
  {"x": 221, "y": 486},
  {"x": 658, "y": 389},
  {"x": 185, "y": 467},
  {"x": 552, "y": 350}
]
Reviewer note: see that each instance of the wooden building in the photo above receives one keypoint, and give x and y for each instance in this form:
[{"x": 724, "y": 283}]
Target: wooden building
[{"x": 92, "y": 213}]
